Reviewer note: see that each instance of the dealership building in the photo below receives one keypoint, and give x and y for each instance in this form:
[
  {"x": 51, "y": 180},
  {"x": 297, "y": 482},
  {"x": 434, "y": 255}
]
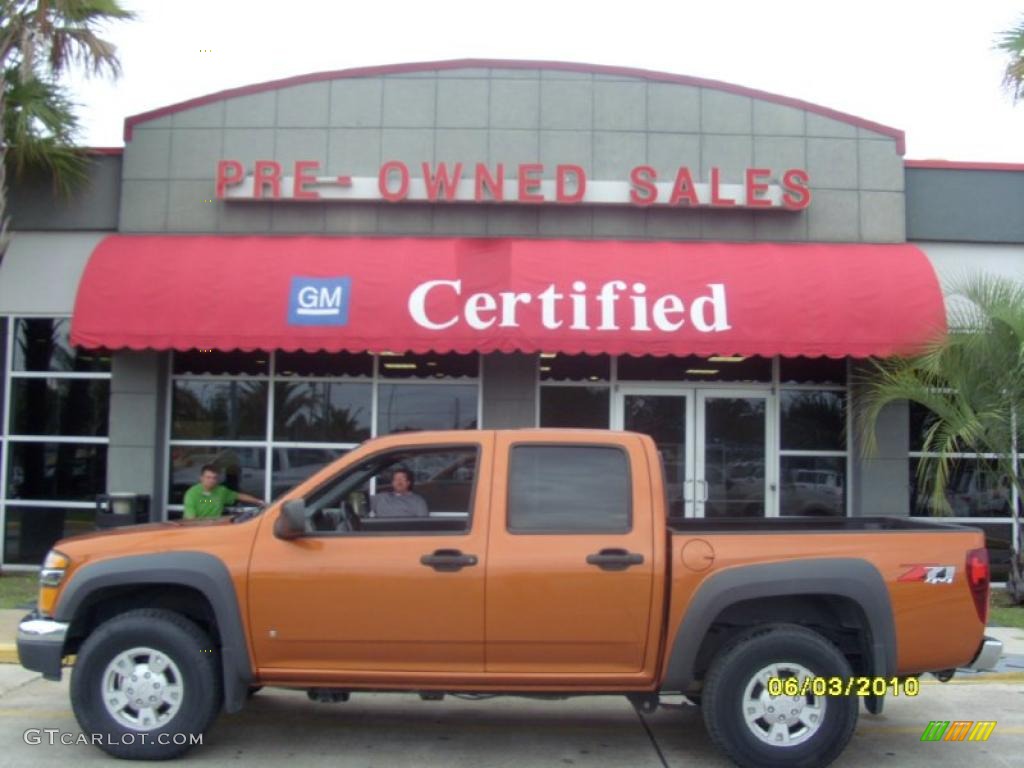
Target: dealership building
[{"x": 264, "y": 277}]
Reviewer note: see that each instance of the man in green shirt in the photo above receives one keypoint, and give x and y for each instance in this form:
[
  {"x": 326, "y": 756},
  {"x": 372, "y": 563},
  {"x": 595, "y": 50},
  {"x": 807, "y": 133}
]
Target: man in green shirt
[{"x": 207, "y": 498}]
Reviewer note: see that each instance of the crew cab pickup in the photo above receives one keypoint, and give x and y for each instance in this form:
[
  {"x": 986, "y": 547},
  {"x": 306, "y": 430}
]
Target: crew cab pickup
[{"x": 546, "y": 565}]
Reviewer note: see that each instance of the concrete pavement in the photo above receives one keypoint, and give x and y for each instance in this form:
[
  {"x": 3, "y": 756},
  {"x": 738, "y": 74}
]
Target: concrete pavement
[{"x": 394, "y": 731}]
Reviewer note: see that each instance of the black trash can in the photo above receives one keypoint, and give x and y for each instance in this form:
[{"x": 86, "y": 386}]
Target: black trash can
[{"x": 117, "y": 509}]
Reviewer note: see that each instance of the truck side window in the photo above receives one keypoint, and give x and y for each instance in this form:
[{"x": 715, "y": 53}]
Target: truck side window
[
  {"x": 568, "y": 489},
  {"x": 436, "y": 495}
]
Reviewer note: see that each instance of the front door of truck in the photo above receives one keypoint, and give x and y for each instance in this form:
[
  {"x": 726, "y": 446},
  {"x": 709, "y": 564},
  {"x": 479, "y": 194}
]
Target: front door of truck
[
  {"x": 570, "y": 575},
  {"x": 379, "y": 584}
]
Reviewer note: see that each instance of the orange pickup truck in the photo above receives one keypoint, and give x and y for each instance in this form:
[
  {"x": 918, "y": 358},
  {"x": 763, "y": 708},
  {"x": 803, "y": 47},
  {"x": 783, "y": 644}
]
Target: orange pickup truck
[{"x": 532, "y": 562}]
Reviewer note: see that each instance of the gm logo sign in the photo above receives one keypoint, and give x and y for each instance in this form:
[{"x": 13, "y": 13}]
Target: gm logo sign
[{"x": 319, "y": 300}]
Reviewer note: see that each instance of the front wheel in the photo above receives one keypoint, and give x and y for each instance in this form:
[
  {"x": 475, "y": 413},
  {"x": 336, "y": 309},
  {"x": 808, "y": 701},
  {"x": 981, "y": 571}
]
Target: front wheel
[
  {"x": 759, "y": 730},
  {"x": 146, "y": 685}
]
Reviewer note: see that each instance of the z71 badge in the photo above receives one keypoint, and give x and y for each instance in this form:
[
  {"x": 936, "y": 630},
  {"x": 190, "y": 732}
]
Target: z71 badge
[{"x": 930, "y": 574}]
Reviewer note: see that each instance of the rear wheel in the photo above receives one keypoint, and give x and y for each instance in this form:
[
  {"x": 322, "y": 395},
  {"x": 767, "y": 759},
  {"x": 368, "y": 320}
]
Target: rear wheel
[
  {"x": 759, "y": 730},
  {"x": 146, "y": 684}
]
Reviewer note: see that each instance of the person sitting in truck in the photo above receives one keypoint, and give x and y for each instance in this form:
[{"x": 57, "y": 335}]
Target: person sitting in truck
[
  {"x": 401, "y": 500},
  {"x": 208, "y": 497}
]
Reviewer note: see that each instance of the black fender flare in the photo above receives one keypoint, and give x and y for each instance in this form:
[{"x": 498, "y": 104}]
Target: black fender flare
[
  {"x": 851, "y": 578},
  {"x": 201, "y": 571}
]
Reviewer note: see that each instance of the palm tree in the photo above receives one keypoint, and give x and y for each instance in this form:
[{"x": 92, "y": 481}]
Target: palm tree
[
  {"x": 1012, "y": 43},
  {"x": 972, "y": 381},
  {"x": 39, "y": 41}
]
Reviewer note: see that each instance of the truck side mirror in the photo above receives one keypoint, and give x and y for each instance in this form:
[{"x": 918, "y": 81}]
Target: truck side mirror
[{"x": 291, "y": 523}]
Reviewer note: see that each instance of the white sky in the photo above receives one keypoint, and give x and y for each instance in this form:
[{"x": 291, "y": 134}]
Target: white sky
[{"x": 927, "y": 68}]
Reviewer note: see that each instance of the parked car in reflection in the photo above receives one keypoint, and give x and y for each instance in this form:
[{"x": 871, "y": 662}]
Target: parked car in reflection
[
  {"x": 813, "y": 492},
  {"x": 973, "y": 490}
]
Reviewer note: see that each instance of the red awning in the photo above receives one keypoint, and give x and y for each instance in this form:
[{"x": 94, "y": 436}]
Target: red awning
[{"x": 485, "y": 295}]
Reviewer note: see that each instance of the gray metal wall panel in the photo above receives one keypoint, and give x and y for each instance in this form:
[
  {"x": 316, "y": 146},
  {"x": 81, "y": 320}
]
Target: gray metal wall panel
[
  {"x": 33, "y": 204},
  {"x": 136, "y": 435},
  {"x": 606, "y": 124},
  {"x": 965, "y": 205},
  {"x": 509, "y": 391}
]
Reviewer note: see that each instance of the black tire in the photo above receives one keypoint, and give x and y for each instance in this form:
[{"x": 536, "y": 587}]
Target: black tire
[
  {"x": 185, "y": 645},
  {"x": 737, "y": 665}
]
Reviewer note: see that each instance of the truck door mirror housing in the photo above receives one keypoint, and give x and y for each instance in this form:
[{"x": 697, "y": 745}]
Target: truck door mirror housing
[{"x": 291, "y": 523}]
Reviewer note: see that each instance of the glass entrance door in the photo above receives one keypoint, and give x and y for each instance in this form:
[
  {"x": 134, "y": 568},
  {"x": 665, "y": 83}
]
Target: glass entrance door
[
  {"x": 732, "y": 455},
  {"x": 667, "y": 418},
  {"x": 714, "y": 447}
]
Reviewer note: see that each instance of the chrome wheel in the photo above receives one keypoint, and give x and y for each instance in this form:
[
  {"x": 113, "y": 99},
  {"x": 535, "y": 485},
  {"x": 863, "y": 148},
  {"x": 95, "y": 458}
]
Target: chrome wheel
[
  {"x": 782, "y": 721},
  {"x": 142, "y": 689}
]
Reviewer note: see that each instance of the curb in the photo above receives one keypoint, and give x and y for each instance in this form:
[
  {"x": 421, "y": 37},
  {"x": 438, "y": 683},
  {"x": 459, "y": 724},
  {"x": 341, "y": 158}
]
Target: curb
[{"x": 9, "y": 653}]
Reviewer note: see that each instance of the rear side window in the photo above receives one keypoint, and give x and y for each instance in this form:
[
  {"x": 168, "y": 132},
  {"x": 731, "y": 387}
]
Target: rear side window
[{"x": 568, "y": 489}]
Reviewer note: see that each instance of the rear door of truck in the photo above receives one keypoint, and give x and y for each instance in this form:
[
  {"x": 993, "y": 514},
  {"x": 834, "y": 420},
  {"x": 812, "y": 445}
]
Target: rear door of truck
[{"x": 571, "y": 557}]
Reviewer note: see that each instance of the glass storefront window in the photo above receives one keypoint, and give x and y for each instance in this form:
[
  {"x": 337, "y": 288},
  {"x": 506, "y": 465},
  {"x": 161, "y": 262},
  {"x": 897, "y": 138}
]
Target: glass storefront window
[
  {"x": 294, "y": 465},
  {"x": 333, "y": 364},
  {"x": 578, "y": 407},
  {"x": 322, "y": 412},
  {"x": 31, "y": 531},
  {"x": 976, "y": 488},
  {"x": 270, "y": 431},
  {"x": 53, "y": 442},
  {"x": 813, "y": 420},
  {"x": 56, "y": 471},
  {"x": 41, "y": 344},
  {"x": 430, "y": 366},
  {"x": 197, "y": 362},
  {"x": 72, "y": 407},
  {"x": 731, "y": 368},
  {"x": 205, "y": 409},
  {"x": 555, "y": 367},
  {"x": 409, "y": 407},
  {"x": 242, "y": 468},
  {"x": 812, "y": 370},
  {"x": 812, "y": 485}
]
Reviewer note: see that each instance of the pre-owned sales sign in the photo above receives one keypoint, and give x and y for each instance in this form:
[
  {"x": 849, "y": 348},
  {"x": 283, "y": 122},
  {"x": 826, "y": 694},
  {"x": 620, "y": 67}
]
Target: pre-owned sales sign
[{"x": 526, "y": 183}]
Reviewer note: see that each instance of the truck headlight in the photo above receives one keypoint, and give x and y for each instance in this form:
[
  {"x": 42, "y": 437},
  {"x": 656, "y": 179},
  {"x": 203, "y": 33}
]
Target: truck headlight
[
  {"x": 52, "y": 574},
  {"x": 54, "y": 567}
]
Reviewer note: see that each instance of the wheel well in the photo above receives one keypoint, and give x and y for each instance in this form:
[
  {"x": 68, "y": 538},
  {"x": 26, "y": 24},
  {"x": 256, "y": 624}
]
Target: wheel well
[
  {"x": 839, "y": 619},
  {"x": 106, "y": 603}
]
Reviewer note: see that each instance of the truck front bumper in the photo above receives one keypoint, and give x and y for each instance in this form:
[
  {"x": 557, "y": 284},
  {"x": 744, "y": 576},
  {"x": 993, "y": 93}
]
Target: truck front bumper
[
  {"x": 988, "y": 655},
  {"x": 41, "y": 645}
]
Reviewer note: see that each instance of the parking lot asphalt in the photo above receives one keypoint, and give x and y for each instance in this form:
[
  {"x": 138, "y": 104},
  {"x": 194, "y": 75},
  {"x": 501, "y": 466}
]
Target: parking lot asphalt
[{"x": 396, "y": 730}]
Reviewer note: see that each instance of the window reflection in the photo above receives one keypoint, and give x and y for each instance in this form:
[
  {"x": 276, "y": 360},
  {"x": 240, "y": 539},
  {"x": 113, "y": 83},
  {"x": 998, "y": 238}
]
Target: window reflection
[
  {"x": 56, "y": 471},
  {"x": 581, "y": 407},
  {"x": 559, "y": 367},
  {"x": 409, "y": 407},
  {"x": 976, "y": 488},
  {"x": 322, "y": 412},
  {"x": 813, "y": 420},
  {"x": 813, "y": 485},
  {"x": 228, "y": 410},
  {"x": 41, "y": 344},
  {"x": 294, "y": 465},
  {"x": 242, "y": 468},
  {"x": 74, "y": 407},
  {"x": 429, "y": 366}
]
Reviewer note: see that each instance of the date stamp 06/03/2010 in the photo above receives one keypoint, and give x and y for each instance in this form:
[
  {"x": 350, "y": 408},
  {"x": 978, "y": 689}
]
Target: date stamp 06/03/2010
[{"x": 843, "y": 686}]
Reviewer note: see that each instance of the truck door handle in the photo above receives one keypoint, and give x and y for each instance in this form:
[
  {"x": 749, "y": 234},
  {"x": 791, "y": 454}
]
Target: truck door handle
[
  {"x": 614, "y": 559},
  {"x": 448, "y": 560}
]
